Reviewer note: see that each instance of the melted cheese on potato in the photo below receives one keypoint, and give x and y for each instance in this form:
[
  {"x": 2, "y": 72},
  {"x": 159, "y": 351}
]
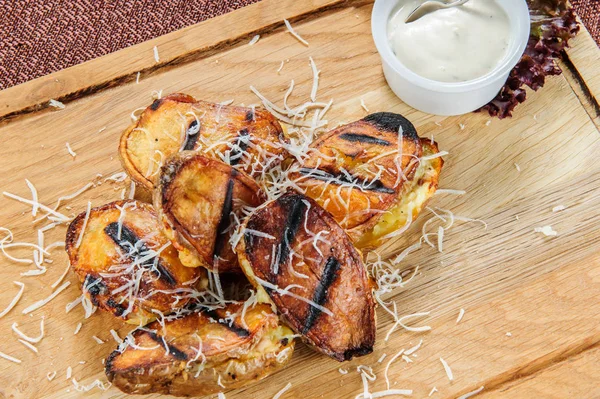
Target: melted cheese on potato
[{"x": 413, "y": 200}]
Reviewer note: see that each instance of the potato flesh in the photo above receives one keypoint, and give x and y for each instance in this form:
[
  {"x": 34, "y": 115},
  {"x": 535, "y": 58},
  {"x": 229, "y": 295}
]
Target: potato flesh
[{"x": 420, "y": 190}]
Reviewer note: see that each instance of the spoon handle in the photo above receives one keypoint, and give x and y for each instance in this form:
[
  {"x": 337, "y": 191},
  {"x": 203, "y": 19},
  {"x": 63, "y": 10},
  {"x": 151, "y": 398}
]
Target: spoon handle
[{"x": 431, "y": 6}]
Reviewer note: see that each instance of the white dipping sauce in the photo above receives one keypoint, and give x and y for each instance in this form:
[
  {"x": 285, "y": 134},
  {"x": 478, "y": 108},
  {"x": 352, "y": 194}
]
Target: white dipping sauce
[{"x": 451, "y": 45}]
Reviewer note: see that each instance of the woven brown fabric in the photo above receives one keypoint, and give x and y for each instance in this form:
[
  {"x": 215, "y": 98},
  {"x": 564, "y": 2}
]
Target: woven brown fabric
[
  {"x": 38, "y": 37},
  {"x": 589, "y": 12}
]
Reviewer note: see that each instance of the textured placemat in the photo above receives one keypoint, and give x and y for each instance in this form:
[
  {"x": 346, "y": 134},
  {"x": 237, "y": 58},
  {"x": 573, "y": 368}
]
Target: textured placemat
[
  {"x": 38, "y": 37},
  {"x": 589, "y": 12}
]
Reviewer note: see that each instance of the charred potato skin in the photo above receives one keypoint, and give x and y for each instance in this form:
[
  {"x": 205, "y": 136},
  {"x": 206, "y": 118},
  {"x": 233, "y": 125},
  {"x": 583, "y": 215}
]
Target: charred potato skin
[
  {"x": 244, "y": 121},
  {"x": 199, "y": 235},
  {"x": 353, "y": 146},
  {"x": 234, "y": 364},
  {"x": 346, "y": 287},
  {"x": 87, "y": 264},
  {"x": 159, "y": 379}
]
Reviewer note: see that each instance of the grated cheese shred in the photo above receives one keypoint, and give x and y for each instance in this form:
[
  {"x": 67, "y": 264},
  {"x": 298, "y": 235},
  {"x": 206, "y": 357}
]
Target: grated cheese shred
[
  {"x": 389, "y": 392},
  {"x": 34, "y": 197},
  {"x": 387, "y": 367},
  {"x": 472, "y": 393},
  {"x": 286, "y": 291},
  {"x": 415, "y": 348},
  {"x": 15, "y": 300},
  {"x": 282, "y": 391},
  {"x": 546, "y": 230},
  {"x": 28, "y": 345},
  {"x": 254, "y": 40},
  {"x": 42, "y": 302},
  {"x": 70, "y": 150},
  {"x": 315, "y": 86},
  {"x": 293, "y": 32},
  {"x": 56, "y": 104},
  {"x": 362, "y": 104},
  {"x": 9, "y": 358},
  {"x": 440, "y": 191},
  {"x": 116, "y": 336},
  {"x": 34, "y": 340},
  {"x": 62, "y": 276},
  {"x": 85, "y": 220},
  {"x": 400, "y": 320},
  {"x": 447, "y": 369}
]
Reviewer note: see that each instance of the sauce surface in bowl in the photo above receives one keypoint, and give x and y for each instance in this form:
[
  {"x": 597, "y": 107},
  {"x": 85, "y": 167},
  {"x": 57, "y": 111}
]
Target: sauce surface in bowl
[{"x": 456, "y": 44}]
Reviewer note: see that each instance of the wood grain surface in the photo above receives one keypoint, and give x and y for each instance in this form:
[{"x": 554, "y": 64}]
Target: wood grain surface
[{"x": 509, "y": 279}]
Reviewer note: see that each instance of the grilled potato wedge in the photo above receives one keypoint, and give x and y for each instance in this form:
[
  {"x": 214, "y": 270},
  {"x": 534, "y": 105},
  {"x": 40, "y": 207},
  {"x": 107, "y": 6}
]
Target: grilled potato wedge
[
  {"x": 239, "y": 136},
  {"x": 207, "y": 352},
  {"x": 196, "y": 198},
  {"x": 362, "y": 171},
  {"x": 127, "y": 267},
  {"x": 303, "y": 262}
]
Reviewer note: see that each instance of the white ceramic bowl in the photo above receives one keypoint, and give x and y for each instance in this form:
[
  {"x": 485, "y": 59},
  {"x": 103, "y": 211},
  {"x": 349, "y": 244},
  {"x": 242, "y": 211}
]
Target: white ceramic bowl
[{"x": 443, "y": 98}]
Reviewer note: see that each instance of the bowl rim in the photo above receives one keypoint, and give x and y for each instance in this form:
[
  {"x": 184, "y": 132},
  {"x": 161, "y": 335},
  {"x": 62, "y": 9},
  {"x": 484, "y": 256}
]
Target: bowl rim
[{"x": 518, "y": 14}]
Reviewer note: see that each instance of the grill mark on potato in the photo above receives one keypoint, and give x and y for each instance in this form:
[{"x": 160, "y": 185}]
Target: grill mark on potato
[
  {"x": 328, "y": 277},
  {"x": 221, "y": 238},
  {"x": 119, "y": 309},
  {"x": 94, "y": 288},
  {"x": 341, "y": 179},
  {"x": 292, "y": 224},
  {"x": 364, "y": 138},
  {"x": 234, "y": 328},
  {"x": 129, "y": 237},
  {"x": 173, "y": 350},
  {"x": 241, "y": 146},
  {"x": 392, "y": 123},
  {"x": 191, "y": 140},
  {"x": 155, "y": 104}
]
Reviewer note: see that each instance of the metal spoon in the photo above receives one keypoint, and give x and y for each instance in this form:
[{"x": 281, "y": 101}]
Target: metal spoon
[{"x": 431, "y": 6}]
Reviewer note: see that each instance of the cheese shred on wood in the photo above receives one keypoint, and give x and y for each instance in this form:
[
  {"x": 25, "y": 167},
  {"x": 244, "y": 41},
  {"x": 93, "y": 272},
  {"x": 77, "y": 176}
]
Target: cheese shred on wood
[
  {"x": 447, "y": 369},
  {"x": 472, "y": 393},
  {"x": 254, "y": 40},
  {"x": 15, "y": 300},
  {"x": 282, "y": 391},
  {"x": 293, "y": 32},
  {"x": 9, "y": 358},
  {"x": 42, "y": 302}
]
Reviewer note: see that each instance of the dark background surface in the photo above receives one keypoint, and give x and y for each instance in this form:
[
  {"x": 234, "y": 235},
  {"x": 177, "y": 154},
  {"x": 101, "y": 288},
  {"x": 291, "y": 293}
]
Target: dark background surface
[{"x": 40, "y": 37}]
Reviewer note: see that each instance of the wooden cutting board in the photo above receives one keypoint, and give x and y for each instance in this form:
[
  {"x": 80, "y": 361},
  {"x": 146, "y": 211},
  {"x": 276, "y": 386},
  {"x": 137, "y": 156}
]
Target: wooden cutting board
[{"x": 531, "y": 326}]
